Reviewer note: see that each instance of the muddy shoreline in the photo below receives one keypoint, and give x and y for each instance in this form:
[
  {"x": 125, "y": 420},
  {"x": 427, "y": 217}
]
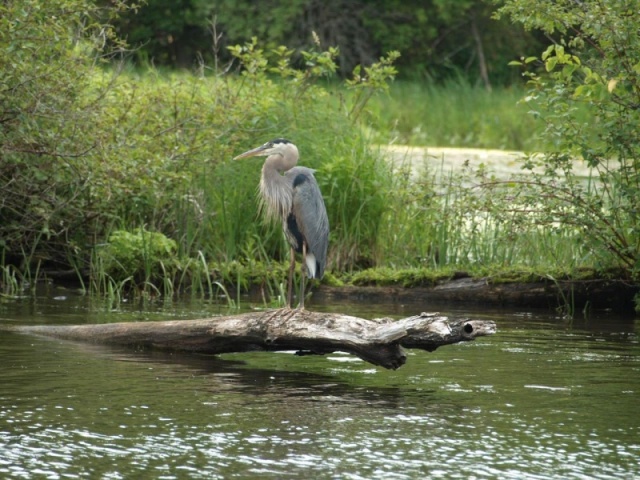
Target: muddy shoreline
[{"x": 614, "y": 295}]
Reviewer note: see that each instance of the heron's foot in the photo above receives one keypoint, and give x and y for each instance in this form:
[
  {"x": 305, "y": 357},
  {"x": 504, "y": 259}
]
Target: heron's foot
[
  {"x": 279, "y": 312},
  {"x": 301, "y": 302},
  {"x": 288, "y": 312}
]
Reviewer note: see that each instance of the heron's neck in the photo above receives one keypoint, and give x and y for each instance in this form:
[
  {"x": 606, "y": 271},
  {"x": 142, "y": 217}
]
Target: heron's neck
[
  {"x": 285, "y": 160},
  {"x": 276, "y": 191}
]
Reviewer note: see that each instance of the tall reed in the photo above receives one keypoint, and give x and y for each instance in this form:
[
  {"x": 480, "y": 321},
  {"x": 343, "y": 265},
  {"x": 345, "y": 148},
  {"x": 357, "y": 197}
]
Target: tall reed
[{"x": 441, "y": 220}]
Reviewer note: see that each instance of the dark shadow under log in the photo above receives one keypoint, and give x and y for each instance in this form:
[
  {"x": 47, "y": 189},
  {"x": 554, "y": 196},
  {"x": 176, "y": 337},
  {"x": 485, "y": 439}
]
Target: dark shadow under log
[{"x": 378, "y": 341}]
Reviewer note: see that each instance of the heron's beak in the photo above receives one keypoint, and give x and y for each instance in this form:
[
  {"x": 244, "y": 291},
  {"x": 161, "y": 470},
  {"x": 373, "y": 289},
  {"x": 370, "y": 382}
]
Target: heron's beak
[{"x": 252, "y": 153}]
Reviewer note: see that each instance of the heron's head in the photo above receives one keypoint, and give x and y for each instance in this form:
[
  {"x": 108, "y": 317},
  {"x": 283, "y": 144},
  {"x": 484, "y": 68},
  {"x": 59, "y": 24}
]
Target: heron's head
[{"x": 279, "y": 146}]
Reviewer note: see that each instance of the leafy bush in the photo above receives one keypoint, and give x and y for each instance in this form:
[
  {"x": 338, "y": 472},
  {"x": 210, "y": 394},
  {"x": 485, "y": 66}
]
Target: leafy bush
[
  {"x": 594, "y": 66},
  {"x": 142, "y": 255},
  {"x": 51, "y": 123},
  {"x": 90, "y": 150}
]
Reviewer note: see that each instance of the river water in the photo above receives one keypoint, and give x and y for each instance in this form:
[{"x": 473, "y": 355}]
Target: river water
[{"x": 543, "y": 398}]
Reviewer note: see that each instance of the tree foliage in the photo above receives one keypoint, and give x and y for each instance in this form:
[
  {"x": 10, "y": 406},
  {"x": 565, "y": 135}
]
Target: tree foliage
[
  {"x": 48, "y": 119},
  {"x": 594, "y": 64},
  {"x": 437, "y": 38}
]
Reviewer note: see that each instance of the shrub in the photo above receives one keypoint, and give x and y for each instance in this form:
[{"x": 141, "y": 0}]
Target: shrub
[
  {"x": 92, "y": 148},
  {"x": 594, "y": 65},
  {"x": 51, "y": 124},
  {"x": 142, "y": 255}
]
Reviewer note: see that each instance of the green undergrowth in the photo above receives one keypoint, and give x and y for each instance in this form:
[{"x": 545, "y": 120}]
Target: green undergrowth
[{"x": 125, "y": 176}]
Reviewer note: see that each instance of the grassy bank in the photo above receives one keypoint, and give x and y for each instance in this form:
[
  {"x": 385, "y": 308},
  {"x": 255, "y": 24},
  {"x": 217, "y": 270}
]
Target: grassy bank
[
  {"x": 177, "y": 214},
  {"x": 125, "y": 178},
  {"x": 173, "y": 207}
]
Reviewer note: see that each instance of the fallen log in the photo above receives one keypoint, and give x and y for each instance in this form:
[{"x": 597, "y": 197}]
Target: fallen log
[{"x": 377, "y": 341}]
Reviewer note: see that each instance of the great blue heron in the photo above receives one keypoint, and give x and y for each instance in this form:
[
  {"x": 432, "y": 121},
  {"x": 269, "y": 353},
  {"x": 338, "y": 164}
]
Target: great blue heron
[{"x": 291, "y": 194}]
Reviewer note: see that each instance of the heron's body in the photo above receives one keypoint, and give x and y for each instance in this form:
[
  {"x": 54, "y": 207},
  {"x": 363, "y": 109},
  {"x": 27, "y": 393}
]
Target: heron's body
[{"x": 291, "y": 195}]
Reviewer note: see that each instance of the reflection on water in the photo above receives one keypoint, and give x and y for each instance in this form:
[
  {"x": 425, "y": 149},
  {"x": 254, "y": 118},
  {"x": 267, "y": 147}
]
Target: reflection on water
[{"x": 543, "y": 398}]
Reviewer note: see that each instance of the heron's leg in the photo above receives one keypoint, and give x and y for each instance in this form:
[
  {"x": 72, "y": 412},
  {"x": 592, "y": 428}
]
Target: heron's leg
[
  {"x": 292, "y": 267},
  {"x": 303, "y": 275}
]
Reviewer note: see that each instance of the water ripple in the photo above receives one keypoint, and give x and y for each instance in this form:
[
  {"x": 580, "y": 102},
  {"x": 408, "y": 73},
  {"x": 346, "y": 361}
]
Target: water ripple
[{"x": 540, "y": 400}]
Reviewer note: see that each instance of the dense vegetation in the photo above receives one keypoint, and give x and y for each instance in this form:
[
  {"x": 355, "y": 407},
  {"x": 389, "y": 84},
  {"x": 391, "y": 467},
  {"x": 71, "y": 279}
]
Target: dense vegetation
[
  {"x": 122, "y": 176},
  {"x": 594, "y": 67},
  {"x": 91, "y": 150},
  {"x": 438, "y": 39}
]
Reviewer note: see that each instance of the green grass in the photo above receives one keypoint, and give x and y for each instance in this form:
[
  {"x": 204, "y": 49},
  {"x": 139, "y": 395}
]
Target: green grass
[
  {"x": 148, "y": 154},
  {"x": 455, "y": 114},
  {"x": 441, "y": 222}
]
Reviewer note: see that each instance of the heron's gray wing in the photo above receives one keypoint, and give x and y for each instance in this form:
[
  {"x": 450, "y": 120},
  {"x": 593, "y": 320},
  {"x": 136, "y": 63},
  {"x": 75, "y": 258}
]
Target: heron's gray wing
[{"x": 310, "y": 214}]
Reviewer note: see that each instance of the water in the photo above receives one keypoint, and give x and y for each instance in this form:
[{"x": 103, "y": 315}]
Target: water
[{"x": 543, "y": 398}]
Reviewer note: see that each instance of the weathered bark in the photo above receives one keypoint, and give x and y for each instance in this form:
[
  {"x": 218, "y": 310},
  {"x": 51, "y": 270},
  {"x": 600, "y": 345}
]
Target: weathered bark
[{"x": 377, "y": 341}]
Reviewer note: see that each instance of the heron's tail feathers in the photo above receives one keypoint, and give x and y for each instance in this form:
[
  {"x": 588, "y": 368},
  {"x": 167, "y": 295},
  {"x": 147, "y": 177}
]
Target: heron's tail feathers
[{"x": 312, "y": 266}]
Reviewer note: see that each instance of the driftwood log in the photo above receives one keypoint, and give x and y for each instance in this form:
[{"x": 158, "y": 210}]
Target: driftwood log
[{"x": 377, "y": 341}]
